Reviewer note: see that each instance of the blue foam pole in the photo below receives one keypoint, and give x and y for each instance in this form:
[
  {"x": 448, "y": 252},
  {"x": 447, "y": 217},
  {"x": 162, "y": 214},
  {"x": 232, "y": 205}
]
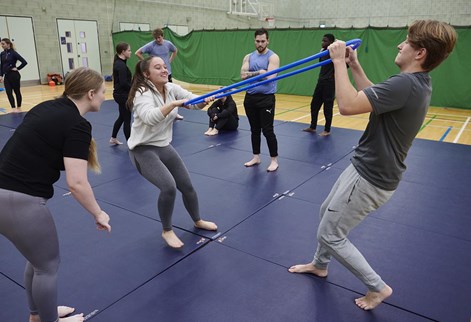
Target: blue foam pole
[{"x": 354, "y": 43}]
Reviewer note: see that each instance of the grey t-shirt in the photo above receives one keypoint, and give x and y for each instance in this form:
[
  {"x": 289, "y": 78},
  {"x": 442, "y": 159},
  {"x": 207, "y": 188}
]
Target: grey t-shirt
[
  {"x": 399, "y": 108},
  {"x": 163, "y": 51}
]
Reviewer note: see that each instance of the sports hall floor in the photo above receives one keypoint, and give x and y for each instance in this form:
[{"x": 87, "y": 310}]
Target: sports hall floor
[{"x": 420, "y": 242}]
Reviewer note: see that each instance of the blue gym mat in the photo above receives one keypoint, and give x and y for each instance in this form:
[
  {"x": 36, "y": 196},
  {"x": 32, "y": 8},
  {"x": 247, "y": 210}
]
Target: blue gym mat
[{"x": 419, "y": 242}]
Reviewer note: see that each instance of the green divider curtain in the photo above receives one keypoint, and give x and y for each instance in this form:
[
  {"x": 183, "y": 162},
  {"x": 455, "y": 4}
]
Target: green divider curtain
[{"x": 214, "y": 57}]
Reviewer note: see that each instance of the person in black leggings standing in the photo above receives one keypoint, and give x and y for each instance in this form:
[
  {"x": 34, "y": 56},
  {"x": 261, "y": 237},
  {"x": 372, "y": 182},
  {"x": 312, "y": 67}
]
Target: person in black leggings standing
[
  {"x": 324, "y": 93},
  {"x": 9, "y": 72},
  {"x": 121, "y": 85},
  {"x": 53, "y": 136}
]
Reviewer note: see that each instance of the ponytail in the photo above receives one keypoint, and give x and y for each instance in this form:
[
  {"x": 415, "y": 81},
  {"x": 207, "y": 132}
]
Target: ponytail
[{"x": 93, "y": 163}]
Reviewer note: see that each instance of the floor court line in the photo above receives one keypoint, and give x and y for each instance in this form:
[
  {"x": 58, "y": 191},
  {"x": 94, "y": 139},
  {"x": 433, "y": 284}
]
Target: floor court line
[
  {"x": 445, "y": 134},
  {"x": 308, "y": 115},
  {"x": 462, "y": 130},
  {"x": 427, "y": 123}
]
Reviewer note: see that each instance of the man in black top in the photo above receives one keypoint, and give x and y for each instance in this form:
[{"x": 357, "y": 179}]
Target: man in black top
[{"x": 324, "y": 92}]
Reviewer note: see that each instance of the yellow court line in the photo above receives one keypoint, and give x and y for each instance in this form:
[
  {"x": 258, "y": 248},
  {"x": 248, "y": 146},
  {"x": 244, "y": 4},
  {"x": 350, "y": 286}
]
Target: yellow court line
[{"x": 309, "y": 115}]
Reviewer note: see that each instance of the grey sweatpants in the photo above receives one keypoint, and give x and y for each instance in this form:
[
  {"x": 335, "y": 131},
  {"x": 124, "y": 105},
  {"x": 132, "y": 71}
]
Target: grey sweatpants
[
  {"x": 27, "y": 222},
  {"x": 163, "y": 167},
  {"x": 349, "y": 202}
]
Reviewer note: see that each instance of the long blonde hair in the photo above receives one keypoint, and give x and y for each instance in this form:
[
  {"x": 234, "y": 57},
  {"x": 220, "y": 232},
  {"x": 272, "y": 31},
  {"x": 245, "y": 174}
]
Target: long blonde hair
[
  {"x": 93, "y": 163},
  {"x": 77, "y": 84}
]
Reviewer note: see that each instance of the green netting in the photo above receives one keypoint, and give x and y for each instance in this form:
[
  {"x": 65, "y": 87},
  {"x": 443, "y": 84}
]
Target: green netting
[{"x": 215, "y": 56}]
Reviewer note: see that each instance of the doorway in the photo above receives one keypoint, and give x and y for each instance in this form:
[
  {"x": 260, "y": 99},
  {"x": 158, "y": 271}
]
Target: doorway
[
  {"x": 79, "y": 45},
  {"x": 20, "y": 31}
]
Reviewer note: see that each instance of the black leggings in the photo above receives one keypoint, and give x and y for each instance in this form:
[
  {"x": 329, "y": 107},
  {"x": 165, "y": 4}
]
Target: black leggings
[
  {"x": 124, "y": 117},
  {"x": 260, "y": 110},
  {"x": 323, "y": 94},
  {"x": 27, "y": 222},
  {"x": 12, "y": 82}
]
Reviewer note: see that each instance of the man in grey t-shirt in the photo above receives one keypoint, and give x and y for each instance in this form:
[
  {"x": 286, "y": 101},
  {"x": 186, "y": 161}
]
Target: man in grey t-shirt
[
  {"x": 397, "y": 110},
  {"x": 161, "y": 48}
]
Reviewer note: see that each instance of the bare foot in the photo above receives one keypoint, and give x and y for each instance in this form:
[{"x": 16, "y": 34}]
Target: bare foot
[
  {"x": 34, "y": 318},
  {"x": 206, "y": 225},
  {"x": 324, "y": 133},
  {"x": 255, "y": 161},
  {"x": 208, "y": 131},
  {"x": 373, "y": 299},
  {"x": 213, "y": 132},
  {"x": 171, "y": 239},
  {"x": 61, "y": 311},
  {"x": 273, "y": 166},
  {"x": 310, "y": 130},
  {"x": 74, "y": 318},
  {"x": 308, "y": 268},
  {"x": 64, "y": 310}
]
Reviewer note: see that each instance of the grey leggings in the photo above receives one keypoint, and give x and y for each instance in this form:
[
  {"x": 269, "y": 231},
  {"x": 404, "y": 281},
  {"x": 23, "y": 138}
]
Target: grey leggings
[
  {"x": 27, "y": 223},
  {"x": 349, "y": 202},
  {"x": 163, "y": 167}
]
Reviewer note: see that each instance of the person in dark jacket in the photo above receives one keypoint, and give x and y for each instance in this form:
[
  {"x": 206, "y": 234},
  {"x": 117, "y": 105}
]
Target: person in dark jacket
[
  {"x": 222, "y": 116},
  {"x": 121, "y": 85},
  {"x": 9, "y": 74}
]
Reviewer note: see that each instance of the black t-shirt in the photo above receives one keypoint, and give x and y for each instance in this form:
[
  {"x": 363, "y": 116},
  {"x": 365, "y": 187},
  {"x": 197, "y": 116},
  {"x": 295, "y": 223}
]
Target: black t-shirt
[
  {"x": 32, "y": 159},
  {"x": 327, "y": 71}
]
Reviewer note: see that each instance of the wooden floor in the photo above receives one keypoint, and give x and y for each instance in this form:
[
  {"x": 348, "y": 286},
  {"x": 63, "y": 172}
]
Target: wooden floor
[{"x": 441, "y": 124}]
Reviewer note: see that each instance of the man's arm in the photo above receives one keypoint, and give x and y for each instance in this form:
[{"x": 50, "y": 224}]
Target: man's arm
[
  {"x": 244, "y": 70},
  {"x": 173, "y": 55},
  {"x": 273, "y": 63},
  {"x": 138, "y": 53},
  {"x": 349, "y": 100},
  {"x": 359, "y": 76}
]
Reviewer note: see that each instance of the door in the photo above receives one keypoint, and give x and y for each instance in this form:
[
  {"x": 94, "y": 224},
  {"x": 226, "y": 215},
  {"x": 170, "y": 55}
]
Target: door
[
  {"x": 79, "y": 44},
  {"x": 20, "y": 31}
]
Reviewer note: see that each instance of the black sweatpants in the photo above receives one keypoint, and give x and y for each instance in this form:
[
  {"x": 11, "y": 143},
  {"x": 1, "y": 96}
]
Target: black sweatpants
[{"x": 260, "y": 110}]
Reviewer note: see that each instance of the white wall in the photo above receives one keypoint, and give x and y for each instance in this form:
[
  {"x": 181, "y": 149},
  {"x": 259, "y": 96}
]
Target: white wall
[{"x": 381, "y": 13}]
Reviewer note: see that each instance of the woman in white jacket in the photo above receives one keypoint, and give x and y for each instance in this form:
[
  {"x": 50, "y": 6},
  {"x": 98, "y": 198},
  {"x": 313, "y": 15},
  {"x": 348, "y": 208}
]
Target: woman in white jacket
[{"x": 154, "y": 102}]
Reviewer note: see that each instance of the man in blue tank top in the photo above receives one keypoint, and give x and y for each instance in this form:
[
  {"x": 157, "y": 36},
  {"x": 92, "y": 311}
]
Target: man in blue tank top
[{"x": 259, "y": 102}]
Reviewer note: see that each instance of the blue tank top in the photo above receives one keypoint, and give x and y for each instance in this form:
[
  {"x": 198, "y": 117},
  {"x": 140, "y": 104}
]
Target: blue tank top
[{"x": 257, "y": 62}]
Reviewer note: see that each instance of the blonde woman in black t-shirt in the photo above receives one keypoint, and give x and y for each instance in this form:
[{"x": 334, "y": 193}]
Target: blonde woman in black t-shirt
[{"x": 54, "y": 136}]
